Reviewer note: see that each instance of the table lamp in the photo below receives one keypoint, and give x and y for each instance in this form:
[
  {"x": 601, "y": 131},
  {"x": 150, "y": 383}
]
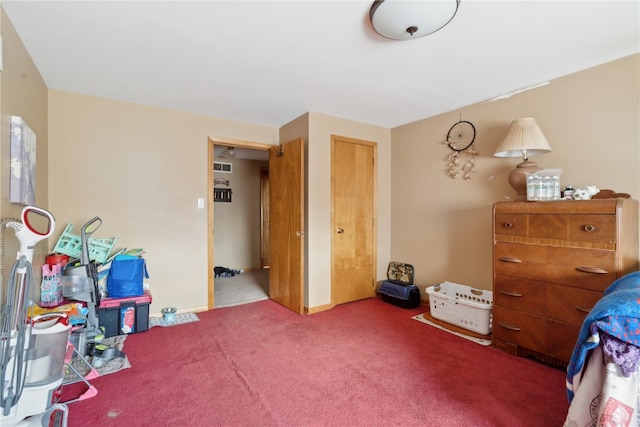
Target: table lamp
[{"x": 524, "y": 138}]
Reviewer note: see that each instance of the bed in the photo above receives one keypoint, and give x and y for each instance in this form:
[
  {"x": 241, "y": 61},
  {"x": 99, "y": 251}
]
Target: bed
[{"x": 602, "y": 377}]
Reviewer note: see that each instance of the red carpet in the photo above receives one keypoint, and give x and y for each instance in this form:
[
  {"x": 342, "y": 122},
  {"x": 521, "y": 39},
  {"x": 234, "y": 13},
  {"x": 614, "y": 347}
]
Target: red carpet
[{"x": 361, "y": 364}]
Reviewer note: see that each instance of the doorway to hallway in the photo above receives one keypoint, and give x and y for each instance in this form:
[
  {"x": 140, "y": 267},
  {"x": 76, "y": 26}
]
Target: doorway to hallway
[
  {"x": 236, "y": 224},
  {"x": 286, "y": 219}
]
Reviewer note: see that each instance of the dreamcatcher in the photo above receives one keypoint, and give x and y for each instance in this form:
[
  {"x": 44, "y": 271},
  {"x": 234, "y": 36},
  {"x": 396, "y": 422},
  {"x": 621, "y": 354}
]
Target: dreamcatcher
[{"x": 460, "y": 139}]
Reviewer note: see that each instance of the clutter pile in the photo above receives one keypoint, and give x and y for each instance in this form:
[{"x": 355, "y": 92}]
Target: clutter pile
[
  {"x": 111, "y": 286},
  {"x": 86, "y": 296}
]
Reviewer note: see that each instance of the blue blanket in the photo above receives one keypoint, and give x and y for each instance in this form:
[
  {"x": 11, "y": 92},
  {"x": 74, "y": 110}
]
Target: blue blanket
[{"x": 616, "y": 314}]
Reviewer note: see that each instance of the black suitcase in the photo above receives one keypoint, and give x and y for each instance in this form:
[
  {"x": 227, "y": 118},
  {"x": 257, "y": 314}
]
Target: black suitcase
[{"x": 399, "y": 289}]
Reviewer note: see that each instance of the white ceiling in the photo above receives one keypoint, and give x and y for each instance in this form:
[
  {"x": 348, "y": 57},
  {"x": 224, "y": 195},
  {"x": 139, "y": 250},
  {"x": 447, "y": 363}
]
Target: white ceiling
[{"x": 268, "y": 62}]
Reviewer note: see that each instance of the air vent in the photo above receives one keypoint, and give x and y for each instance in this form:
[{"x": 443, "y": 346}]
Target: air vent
[{"x": 222, "y": 167}]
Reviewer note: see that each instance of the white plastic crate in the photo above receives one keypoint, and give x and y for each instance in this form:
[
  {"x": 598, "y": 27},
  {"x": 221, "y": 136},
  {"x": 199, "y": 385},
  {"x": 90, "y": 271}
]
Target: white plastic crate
[{"x": 462, "y": 306}]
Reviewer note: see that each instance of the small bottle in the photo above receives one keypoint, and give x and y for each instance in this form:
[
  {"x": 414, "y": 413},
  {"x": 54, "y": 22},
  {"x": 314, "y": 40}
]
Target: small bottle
[
  {"x": 537, "y": 190},
  {"x": 531, "y": 187},
  {"x": 555, "y": 180},
  {"x": 568, "y": 193},
  {"x": 545, "y": 194}
]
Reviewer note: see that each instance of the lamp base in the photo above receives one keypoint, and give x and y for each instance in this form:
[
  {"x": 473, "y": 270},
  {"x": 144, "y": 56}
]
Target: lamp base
[{"x": 518, "y": 178}]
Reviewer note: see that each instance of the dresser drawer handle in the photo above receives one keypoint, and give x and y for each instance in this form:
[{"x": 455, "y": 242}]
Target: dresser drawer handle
[
  {"x": 584, "y": 309},
  {"x": 510, "y": 293},
  {"x": 508, "y": 225},
  {"x": 592, "y": 270},
  {"x": 590, "y": 228},
  {"x": 510, "y": 326},
  {"x": 510, "y": 259}
]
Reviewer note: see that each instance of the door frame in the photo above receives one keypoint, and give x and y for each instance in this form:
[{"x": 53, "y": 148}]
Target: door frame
[{"x": 212, "y": 141}]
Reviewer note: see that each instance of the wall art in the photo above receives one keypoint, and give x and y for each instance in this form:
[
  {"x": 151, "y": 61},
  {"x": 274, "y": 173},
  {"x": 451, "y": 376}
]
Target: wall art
[{"x": 23, "y": 163}]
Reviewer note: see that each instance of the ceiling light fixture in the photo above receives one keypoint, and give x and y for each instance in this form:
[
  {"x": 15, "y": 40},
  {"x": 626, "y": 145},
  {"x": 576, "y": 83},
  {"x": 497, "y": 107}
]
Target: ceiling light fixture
[
  {"x": 524, "y": 138},
  {"x": 403, "y": 19},
  {"x": 230, "y": 152}
]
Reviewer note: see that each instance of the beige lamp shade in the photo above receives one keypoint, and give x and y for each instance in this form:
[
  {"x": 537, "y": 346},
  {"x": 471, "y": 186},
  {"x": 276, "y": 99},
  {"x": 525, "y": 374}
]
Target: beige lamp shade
[{"x": 524, "y": 138}]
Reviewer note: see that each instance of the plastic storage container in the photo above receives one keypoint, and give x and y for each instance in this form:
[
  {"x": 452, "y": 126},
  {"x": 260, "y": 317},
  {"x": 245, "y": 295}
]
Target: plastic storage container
[
  {"x": 121, "y": 316},
  {"x": 462, "y": 306},
  {"x": 48, "y": 354},
  {"x": 73, "y": 286}
]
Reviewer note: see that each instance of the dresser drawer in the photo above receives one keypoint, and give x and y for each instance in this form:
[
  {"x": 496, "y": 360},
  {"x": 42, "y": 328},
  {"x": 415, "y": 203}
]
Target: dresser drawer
[
  {"x": 545, "y": 336},
  {"x": 570, "y": 305},
  {"x": 556, "y": 302},
  {"x": 520, "y": 294},
  {"x": 510, "y": 224},
  {"x": 593, "y": 269},
  {"x": 592, "y": 228},
  {"x": 519, "y": 260},
  {"x": 582, "y": 268},
  {"x": 519, "y": 328}
]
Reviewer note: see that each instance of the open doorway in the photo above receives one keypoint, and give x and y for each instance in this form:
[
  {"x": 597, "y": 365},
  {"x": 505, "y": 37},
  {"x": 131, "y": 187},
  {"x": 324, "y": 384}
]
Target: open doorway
[{"x": 238, "y": 222}]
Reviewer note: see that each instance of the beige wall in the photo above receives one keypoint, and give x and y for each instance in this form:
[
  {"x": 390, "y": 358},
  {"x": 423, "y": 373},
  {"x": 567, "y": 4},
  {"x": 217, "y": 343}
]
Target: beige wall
[
  {"x": 142, "y": 170},
  {"x": 237, "y": 224},
  {"x": 22, "y": 93},
  {"x": 443, "y": 225}
]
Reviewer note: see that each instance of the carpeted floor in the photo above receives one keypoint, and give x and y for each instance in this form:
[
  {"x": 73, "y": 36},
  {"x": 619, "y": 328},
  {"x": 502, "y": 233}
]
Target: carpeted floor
[
  {"x": 244, "y": 288},
  {"x": 366, "y": 363}
]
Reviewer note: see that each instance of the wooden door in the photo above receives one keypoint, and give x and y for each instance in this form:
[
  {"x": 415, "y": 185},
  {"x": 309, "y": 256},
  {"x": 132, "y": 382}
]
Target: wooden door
[
  {"x": 286, "y": 214},
  {"x": 265, "y": 245},
  {"x": 353, "y": 201}
]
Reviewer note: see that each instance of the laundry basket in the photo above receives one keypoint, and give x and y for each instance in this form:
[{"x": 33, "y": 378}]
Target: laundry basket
[{"x": 462, "y": 306}]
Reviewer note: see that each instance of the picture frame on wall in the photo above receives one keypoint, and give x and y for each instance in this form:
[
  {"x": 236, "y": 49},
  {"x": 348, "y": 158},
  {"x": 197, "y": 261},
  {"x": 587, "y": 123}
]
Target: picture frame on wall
[
  {"x": 222, "y": 195},
  {"x": 23, "y": 163}
]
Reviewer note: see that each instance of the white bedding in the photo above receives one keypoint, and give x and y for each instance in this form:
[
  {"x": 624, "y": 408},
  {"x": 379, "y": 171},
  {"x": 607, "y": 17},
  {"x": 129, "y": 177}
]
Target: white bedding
[{"x": 603, "y": 396}]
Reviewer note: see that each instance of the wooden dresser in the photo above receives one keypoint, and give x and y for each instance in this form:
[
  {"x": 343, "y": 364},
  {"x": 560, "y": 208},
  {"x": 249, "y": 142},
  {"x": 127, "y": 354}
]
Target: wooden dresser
[{"x": 551, "y": 262}]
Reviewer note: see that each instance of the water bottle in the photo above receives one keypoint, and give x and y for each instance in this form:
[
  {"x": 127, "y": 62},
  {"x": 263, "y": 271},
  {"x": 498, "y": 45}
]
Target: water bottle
[
  {"x": 556, "y": 187},
  {"x": 531, "y": 187},
  {"x": 537, "y": 192},
  {"x": 545, "y": 193}
]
